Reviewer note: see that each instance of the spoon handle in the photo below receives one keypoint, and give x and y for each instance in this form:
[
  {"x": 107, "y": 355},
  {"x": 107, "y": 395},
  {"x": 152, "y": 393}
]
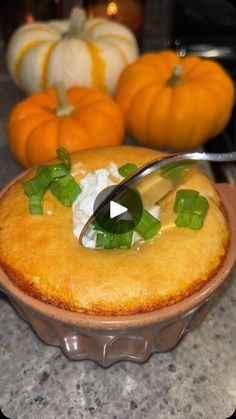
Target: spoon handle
[
  {"x": 153, "y": 165},
  {"x": 164, "y": 186}
]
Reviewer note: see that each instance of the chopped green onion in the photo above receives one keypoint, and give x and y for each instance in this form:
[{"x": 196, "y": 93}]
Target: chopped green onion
[
  {"x": 31, "y": 187},
  {"x": 189, "y": 200},
  {"x": 36, "y": 204},
  {"x": 39, "y": 182},
  {"x": 189, "y": 220},
  {"x": 58, "y": 178},
  {"x": 114, "y": 241},
  {"x": 66, "y": 190},
  {"x": 44, "y": 176},
  {"x": 59, "y": 170},
  {"x": 127, "y": 169},
  {"x": 148, "y": 226},
  {"x": 97, "y": 227},
  {"x": 191, "y": 209},
  {"x": 64, "y": 156},
  {"x": 104, "y": 240},
  {"x": 176, "y": 171},
  {"x": 197, "y": 205},
  {"x": 122, "y": 241},
  {"x": 201, "y": 206},
  {"x": 182, "y": 195}
]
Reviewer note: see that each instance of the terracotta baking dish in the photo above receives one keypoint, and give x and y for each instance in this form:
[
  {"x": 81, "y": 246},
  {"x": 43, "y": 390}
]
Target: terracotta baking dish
[{"x": 111, "y": 339}]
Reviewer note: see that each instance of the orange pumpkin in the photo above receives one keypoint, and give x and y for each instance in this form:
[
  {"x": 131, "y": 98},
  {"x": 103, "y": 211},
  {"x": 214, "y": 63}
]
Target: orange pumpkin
[
  {"x": 174, "y": 102},
  {"x": 76, "y": 119}
]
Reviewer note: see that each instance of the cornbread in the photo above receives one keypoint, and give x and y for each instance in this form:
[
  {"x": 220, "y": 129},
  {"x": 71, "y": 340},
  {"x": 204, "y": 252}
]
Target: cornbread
[{"x": 42, "y": 256}]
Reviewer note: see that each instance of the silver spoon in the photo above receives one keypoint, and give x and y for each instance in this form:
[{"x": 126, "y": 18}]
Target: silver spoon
[{"x": 158, "y": 178}]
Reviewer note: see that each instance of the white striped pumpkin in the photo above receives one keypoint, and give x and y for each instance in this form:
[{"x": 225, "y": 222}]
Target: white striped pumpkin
[{"x": 79, "y": 51}]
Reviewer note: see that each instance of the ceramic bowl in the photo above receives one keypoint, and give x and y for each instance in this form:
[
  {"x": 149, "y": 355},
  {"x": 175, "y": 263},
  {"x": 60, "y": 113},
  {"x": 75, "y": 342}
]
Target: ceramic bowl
[{"x": 111, "y": 339}]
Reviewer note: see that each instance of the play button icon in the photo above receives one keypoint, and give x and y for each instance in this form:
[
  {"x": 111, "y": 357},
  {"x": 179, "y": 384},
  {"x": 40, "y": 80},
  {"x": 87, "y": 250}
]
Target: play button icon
[
  {"x": 120, "y": 214},
  {"x": 116, "y": 209}
]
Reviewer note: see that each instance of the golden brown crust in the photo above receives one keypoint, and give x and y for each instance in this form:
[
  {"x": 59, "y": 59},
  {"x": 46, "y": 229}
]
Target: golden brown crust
[
  {"x": 43, "y": 258},
  {"x": 29, "y": 289}
]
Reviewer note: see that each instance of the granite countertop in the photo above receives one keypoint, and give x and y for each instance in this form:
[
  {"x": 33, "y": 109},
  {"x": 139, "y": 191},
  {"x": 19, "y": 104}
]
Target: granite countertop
[{"x": 197, "y": 379}]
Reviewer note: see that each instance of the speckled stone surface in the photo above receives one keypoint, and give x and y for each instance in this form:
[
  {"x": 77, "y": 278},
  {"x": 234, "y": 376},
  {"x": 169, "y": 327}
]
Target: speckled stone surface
[{"x": 195, "y": 380}]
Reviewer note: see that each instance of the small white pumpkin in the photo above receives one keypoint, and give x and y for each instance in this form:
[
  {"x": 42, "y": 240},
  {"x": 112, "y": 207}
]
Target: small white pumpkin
[{"x": 79, "y": 51}]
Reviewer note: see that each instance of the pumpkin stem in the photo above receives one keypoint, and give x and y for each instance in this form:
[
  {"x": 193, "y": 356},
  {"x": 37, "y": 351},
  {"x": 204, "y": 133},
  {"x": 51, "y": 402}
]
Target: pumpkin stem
[
  {"x": 64, "y": 107},
  {"x": 176, "y": 77},
  {"x": 77, "y": 22}
]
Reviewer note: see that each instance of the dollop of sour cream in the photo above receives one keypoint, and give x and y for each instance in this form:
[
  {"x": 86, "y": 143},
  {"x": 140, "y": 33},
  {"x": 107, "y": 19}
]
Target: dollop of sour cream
[{"x": 82, "y": 209}]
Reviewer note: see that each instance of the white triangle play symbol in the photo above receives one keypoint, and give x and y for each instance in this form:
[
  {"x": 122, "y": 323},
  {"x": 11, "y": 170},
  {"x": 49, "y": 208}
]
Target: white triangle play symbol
[{"x": 116, "y": 209}]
